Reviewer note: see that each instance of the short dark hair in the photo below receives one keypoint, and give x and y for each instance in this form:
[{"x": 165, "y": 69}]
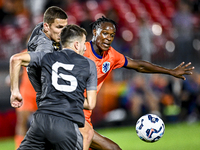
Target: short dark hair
[
  {"x": 103, "y": 19},
  {"x": 53, "y": 13},
  {"x": 70, "y": 32}
]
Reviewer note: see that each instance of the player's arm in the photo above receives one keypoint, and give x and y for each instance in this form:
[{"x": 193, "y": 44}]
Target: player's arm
[
  {"x": 91, "y": 88},
  {"x": 90, "y": 101},
  {"x": 16, "y": 61},
  {"x": 147, "y": 67}
]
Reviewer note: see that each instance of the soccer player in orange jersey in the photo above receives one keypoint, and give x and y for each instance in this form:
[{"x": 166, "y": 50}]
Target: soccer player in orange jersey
[{"x": 106, "y": 59}]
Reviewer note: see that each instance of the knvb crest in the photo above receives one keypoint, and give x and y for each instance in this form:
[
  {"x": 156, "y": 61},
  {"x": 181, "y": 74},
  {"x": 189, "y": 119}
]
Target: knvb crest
[{"x": 106, "y": 67}]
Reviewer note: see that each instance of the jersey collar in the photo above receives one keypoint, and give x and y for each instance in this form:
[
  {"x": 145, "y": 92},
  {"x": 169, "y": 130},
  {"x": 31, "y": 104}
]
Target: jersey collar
[{"x": 97, "y": 55}]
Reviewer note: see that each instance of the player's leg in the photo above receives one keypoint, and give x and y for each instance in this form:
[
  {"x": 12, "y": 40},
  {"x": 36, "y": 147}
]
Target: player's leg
[
  {"x": 23, "y": 115},
  {"x": 21, "y": 126},
  {"x": 35, "y": 138},
  {"x": 100, "y": 142},
  {"x": 87, "y": 133}
]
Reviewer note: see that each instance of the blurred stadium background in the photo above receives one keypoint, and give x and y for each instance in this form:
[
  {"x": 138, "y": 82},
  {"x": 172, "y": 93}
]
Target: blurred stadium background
[{"x": 165, "y": 32}]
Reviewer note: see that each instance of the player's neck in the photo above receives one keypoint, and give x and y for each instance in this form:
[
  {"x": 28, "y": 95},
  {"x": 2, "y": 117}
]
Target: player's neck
[
  {"x": 97, "y": 50},
  {"x": 47, "y": 35}
]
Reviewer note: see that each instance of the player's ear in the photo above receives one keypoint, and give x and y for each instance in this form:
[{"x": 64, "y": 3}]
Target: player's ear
[
  {"x": 76, "y": 45},
  {"x": 94, "y": 31},
  {"x": 46, "y": 27}
]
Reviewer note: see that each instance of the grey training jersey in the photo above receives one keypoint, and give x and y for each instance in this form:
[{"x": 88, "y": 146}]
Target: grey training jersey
[
  {"x": 64, "y": 77},
  {"x": 38, "y": 42}
]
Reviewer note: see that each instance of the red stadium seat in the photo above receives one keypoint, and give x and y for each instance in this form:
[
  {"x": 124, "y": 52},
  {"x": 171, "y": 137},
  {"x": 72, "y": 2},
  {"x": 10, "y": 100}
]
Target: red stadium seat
[
  {"x": 139, "y": 10},
  {"x": 105, "y": 5},
  {"x": 77, "y": 11},
  {"x": 167, "y": 8}
]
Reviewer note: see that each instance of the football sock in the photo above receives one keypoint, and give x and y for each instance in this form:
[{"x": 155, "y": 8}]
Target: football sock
[{"x": 18, "y": 139}]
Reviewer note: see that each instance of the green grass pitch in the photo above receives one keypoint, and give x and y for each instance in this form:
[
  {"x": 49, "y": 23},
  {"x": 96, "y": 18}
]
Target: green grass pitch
[
  {"x": 176, "y": 137},
  {"x": 180, "y": 136}
]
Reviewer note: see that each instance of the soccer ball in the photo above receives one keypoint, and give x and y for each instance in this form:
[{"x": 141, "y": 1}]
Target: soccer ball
[{"x": 150, "y": 128}]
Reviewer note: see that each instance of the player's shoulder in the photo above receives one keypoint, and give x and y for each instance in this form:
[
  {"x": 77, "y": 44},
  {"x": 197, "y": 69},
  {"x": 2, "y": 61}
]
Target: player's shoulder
[
  {"x": 91, "y": 62},
  {"x": 87, "y": 44},
  {"x": 91, "y": 66},
  {"x": 88, "y": 59},
  {"x": 38, "y": 38},
  {"x": 113, "y": 51}
]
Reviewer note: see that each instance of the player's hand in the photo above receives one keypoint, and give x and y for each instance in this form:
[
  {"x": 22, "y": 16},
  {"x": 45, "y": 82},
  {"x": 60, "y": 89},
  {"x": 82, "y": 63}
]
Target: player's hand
[
  {"x": 181, "y": 70},
  {"x": 16, "y": 100}
]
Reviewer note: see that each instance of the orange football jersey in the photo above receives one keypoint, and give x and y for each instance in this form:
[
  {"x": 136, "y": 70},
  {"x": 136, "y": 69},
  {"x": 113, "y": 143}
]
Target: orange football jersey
[{"x": 110, "y": 60}]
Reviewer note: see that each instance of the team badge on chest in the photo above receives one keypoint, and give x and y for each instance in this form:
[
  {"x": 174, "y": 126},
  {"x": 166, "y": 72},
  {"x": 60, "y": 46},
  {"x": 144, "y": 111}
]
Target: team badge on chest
[{"x": 105, "y": 67}]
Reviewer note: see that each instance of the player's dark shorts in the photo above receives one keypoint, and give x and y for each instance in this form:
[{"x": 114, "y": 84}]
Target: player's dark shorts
[{"x": 51, "y": 131}]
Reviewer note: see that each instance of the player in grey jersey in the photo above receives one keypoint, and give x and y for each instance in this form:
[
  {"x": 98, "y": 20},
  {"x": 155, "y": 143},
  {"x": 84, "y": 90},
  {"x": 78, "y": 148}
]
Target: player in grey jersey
[
  {"x": 64, "y": 76},
  {"x": 44, "y": 38}
]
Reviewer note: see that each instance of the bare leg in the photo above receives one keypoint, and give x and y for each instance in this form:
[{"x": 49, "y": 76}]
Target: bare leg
[
  {"x": 100, "y": 142},
  {"x": 88, "y": 133}
]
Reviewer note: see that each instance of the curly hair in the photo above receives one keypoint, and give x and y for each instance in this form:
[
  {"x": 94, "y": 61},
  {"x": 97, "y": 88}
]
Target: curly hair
[{"x": 96, "y": 24}]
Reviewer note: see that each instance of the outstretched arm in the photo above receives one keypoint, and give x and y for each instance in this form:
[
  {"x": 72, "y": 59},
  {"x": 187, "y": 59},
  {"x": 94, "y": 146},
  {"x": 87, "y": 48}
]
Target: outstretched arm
[
  {"x": 16, "y": 61},
  {"x": 147, "y": 67}
]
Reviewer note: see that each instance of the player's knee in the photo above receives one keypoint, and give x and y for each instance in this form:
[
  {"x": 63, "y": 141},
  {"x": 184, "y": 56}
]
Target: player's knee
[
  {"x": 90, "y": 134},
  {"x": 87, "y": 133}
]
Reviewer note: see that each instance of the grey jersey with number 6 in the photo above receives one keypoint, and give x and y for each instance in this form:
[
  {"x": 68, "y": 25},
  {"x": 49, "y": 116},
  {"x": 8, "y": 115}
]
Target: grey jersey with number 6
[{"x": 64, "y": 77}]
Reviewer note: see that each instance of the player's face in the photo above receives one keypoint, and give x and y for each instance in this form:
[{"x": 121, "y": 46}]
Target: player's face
[
  {"x": 82, "y": 46},
  {"x": 56, "y": 28},
  {"x": 105, "y": 35}
]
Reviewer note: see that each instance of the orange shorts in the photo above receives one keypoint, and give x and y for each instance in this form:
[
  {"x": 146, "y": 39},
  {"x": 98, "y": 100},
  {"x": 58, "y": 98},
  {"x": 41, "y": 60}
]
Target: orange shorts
[{"x": 88, "y": 114}]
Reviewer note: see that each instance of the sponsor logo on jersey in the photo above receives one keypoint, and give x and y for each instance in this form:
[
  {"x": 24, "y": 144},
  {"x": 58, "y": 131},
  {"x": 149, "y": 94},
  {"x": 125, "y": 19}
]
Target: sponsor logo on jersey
[{"x": 106, "y": 67}]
